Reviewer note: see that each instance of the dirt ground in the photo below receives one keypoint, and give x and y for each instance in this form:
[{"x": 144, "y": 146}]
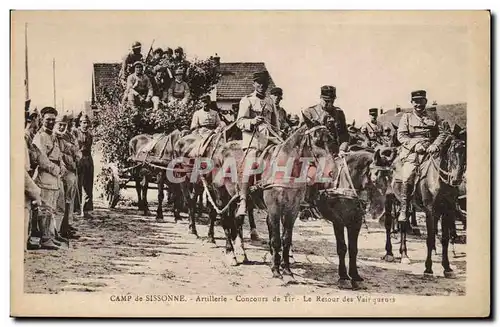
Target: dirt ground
[{"x": 123, "y": 252}]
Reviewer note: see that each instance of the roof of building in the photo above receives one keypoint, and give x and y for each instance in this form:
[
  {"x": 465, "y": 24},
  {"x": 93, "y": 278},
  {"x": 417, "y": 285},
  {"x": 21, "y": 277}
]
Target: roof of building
[{"x": 236, "y": 80}]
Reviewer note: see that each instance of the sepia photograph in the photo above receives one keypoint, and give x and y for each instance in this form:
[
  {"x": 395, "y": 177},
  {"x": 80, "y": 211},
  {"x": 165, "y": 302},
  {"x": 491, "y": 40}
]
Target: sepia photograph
[{"x": 250, "y": 163}]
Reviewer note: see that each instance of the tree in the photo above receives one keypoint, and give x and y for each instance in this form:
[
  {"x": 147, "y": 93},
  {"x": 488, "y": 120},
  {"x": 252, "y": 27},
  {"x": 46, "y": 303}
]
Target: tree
[{"x": 117, "y": 124}]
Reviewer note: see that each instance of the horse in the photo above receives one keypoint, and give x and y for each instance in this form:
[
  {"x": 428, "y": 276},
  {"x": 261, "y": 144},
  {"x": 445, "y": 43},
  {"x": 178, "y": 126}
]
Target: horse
[
  {"x": 436, "y": 193},
  {"x": 153, "y": 154}
]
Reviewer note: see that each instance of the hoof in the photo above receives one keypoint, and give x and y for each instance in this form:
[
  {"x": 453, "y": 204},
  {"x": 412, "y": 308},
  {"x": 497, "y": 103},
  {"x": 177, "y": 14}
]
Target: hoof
[
  {"x": 449, "y": 274},
  {"x": 344, "y": 284},
  {"x": 277, "y": 274},
  {"x": 211, "y": 240},
  {"x": 231, "y": 259},
  {"x": 388, "y": 258},
  {"x": 428, "y": 274},
  {"x": 146, "y": 213},
  {"x": 287, "y": 272},
  {"x": 245, "y": 260},
  {"x": 254, "y": 236},
  {"x": 358, "y": 285},
  {"x": 405, "y": 261}
]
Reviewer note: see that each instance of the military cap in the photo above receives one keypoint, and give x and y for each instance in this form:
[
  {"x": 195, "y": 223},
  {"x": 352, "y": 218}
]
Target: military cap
[
  {"x": 205, "y": 98},
  {"x": 179, "y": 50},
  {"x": 328, "y": 91},
  {"x": 277, "y": 91},
  {"x": 261, "y": 77},
  {"x": 158, "y": 50},
  {"x": 373, "y": 111},
  {"x": 418, "y": 94},
  {"x": 235, "y": 106},
  {"x": 179, "y": 71},
  {"x": 136, "y": 45},
  {"x": 48, "y": 110},
  {"x": 85, "y": 117},
  {"x": 138, "y": 63},
  {"x": 62, "y": 119},
  {"x": 294, "y": 118},
  {"x": 169, "y": 51}
]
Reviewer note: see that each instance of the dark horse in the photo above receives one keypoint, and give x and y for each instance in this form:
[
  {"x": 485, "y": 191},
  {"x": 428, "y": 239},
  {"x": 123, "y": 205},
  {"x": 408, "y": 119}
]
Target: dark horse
[
  {"x": 436, "y": 194},
  {"x": 152, "y": 154}
]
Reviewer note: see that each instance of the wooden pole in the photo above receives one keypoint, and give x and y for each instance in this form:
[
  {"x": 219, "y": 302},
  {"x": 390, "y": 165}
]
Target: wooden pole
[
  {"x": 26, "y": 76},
  {"x": 54, "y": 79}
]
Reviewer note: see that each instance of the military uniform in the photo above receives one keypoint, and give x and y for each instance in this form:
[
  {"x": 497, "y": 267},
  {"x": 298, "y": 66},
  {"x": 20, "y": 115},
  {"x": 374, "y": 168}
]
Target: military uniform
[
  {"x": 31, "y": 193},
  {"x": 282, "y": 115},
  {"x": 373, "y": 131},
  {"x": 415, "y": 129},
  {"x": 85, "y": 170},
  {"x": 48, "y": 178},
  {"x": 70, "y": 156},
  {"x": 333, "y": 118},
  {"x": 138, "y": 86},
  {"x": 160, "y": 92},
  {"x": 204, "y": 121},
  {"x": 255, "y": 138},
  {"x": 179, "y": 90},
  {"x": 128, "y": 62}
]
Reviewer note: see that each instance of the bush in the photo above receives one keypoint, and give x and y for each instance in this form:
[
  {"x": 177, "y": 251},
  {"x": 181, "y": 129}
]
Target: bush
[{"x": 118, "y": 125}]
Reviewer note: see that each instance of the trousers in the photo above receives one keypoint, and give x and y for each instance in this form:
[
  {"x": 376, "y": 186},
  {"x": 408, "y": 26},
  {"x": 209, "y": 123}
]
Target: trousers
[{"x": 84, "y": 195}]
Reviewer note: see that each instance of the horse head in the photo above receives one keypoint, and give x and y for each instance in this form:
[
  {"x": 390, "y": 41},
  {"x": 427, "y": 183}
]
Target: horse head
[
  {"x": 381, "y": 169},
  {"x": 455, "y": 155}
]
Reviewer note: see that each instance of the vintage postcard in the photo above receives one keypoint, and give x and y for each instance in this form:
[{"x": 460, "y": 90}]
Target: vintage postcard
[{"x": 250, "y": 163}]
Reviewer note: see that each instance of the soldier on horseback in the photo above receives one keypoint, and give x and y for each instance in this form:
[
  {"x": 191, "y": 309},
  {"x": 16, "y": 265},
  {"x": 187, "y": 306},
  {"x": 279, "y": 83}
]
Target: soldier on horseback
[
  {"x": 419, "y": 135},
  {"x": 372, "y": 129},
  {"x": 258, "y": 119},
  {"x": 205, "y": 120}
]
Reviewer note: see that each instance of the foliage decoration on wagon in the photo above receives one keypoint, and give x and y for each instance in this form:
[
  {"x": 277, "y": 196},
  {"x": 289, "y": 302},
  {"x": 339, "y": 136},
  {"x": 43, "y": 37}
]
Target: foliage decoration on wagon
[{"x": 119, "y": 124}]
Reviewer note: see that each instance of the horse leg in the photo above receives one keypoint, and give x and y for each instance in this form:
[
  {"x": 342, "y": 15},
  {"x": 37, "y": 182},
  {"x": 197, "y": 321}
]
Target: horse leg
[
  {"x": 446, "y": 229},
  {"x": 192, "y": 213},
  {"x": 352, "y": 238},
  {"x": 341, "y": 252},
  {"x": 389, "y": 222},
  {"x": 140, "y": 205},
  {"x": 161, "y": 196},
  {"x": 254, "y": 235},
  {"x": 213, "y": 217},
  {"x": 413, "y": 216},
  {"x": 431, "y": 239},
  {"x": 288, "y": 222},
  {"x": 145, "y": 186},
  {"x": 239, "y": 242},
  {"x": 227, "y": 223},
  {"x": 176, "y": 196},
  {"x": 273, "y": 223},
  {"x": 402, "y": 247}
]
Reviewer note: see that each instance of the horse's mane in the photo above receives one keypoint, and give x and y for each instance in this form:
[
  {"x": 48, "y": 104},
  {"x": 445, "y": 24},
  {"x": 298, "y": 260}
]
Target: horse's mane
[{"x": 293, "y": 140}]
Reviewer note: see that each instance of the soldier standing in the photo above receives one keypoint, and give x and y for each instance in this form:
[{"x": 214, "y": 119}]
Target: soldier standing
[
  {"x": 139, "y": 88},
  {"x": 48, "y": 177},
  {"x": 71, "y": 156},
  {"x": 255, "y": 110},
  {"x": 372, "y": 129},
  {"x": 85, "y": 172},
  {"x": 419, "y": 134},
  {"x": 325, "y": 113},
  {"x": 129, "y": 60}
]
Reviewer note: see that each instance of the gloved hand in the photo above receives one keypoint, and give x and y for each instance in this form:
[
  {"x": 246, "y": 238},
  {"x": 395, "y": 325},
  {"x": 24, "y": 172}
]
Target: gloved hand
[
  {"x": 419, "y": 148},
  {"x": 433, "y": 149}
]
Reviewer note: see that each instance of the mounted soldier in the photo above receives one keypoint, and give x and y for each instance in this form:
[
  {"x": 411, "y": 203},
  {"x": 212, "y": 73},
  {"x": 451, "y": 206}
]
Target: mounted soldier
[
  {"x": 228, "y": 116},
  {"x": 277, "y": 96},
  {"x": 372, "y": 129},
  {"x": 325, "y": 113},
  {"x": 258, "y": 120},
  {"x": 419, "y": 135},
  {"x": 139, "y": 88},
  {"x": 128, "y": 62}
]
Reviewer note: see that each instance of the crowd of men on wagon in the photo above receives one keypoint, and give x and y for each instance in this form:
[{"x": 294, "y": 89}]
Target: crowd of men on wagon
[{"x": 59, "y": 161}]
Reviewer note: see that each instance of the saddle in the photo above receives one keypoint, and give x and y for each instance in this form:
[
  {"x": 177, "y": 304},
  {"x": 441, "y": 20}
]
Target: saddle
[{"x": 145, "y": 151}]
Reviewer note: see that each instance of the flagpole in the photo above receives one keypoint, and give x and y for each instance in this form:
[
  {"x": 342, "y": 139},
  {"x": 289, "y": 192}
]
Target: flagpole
[{"x": 54, "y": 80}]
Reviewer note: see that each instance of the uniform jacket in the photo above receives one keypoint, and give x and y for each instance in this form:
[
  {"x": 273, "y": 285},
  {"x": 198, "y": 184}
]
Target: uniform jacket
[
  {"x": 373, "y": 131},
  {"x": 70, "y": 151},
  {"x": 413, "y": 130},
  {"x": 139, "y": 85},
  {"x": 179, "y": 91},
  {"x": 48, "y": 174},
  {"x": 205, "y": 119},
  {"x": 252, "y": 106},
  {"x": 284, "y": 125},
  {"x": 31, "y": 190},
  {"x": 84, "y": 141},
  {"x": 127, "y": 63},
  {"x": 319, "y": 115}
]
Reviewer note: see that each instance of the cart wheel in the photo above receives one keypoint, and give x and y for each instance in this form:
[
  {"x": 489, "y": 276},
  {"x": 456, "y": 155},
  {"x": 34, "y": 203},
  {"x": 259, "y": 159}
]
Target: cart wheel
[{"x": 112, "y": 184}]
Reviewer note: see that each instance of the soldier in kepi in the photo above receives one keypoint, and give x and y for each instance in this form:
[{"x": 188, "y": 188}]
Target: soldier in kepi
[
  {"x": 419, "y": 135},
  {"x": 85, "y": 173},
  {"x": 70, "y": 156},
  {"x": 325, "y": 113},
  {"x": 372, "y": 129},
  {"x": 258, "y": 119},
  {"x": 139, "y": 88},
  {"x": 48, "y": 178},
  {"x": 128, "y": 62}
]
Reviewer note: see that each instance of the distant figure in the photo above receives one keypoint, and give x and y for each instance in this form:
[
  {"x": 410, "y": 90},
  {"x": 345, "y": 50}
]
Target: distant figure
[
  {"x": 372, "y": 129},
  {"x": 276, "y": 95},
  {"x": 128, "y": 62},
  {"x": 139, "y": 88}
]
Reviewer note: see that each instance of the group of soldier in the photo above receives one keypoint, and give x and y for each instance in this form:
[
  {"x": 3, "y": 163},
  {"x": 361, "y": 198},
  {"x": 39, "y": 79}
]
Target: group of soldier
[
  {"x": 156, "y": 79},
  {"x": 59, "y": 172}
]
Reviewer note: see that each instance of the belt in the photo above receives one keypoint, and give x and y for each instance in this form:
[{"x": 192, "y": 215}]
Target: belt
[{"x": 423, "y": 134}]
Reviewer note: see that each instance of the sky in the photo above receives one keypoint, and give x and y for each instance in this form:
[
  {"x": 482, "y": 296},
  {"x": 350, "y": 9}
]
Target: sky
[{"x": 372, "y": 61}]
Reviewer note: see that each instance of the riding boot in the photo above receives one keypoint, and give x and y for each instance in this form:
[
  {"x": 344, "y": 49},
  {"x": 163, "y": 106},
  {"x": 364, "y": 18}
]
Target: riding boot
[
  {"x": 242, "y": 209},
  {"x": 407, "y": 189}
]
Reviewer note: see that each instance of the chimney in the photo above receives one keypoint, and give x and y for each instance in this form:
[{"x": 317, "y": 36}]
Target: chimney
[
  {"x": 381, "y": 111},
  {"x": 217, "y": 60},
  {"x": 398, "y": 109}
]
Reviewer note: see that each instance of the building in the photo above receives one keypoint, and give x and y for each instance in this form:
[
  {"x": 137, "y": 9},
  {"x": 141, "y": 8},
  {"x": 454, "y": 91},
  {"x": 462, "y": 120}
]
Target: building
[{"x": 236, "y": 82}]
